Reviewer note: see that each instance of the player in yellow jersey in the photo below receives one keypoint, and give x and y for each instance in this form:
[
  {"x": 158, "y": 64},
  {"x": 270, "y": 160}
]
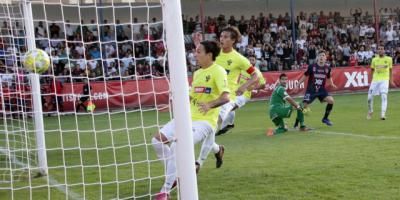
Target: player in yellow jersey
[
  {"x": 234, "y": 63},
  {"x": 241, "y": 100},
  {"x": 381, "y": 67},
  {"x": 209, "y": 91}
]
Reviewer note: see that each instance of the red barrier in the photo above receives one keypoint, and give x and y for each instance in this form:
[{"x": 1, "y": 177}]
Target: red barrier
[
  {"x": 137, "y": 93},
  {"x": 347, "y": 79},
  {"x": 118, "y": 94}
]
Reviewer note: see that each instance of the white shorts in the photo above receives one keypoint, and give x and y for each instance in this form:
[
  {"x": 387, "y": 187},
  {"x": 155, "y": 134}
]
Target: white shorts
[
  {"x": 241, "y": 101},
  {"x": 379, "y": 87},
  {"x": 225, "y": 110},
  {"x": 200, "y": 130}
]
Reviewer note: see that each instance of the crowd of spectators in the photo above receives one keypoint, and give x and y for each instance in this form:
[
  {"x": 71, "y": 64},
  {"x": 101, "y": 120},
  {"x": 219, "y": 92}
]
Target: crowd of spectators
[
  {"x": 105, "y": 51},
  {"x": 349, "y": 40},
  {"x": 109, "y": 50}
]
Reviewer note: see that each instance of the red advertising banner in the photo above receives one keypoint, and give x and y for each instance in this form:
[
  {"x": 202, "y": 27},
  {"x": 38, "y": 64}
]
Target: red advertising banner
[
  {"x": 118, "y": 94},
  {"x": 150, "y": 93},
  {"x": 346, "y": 79}
]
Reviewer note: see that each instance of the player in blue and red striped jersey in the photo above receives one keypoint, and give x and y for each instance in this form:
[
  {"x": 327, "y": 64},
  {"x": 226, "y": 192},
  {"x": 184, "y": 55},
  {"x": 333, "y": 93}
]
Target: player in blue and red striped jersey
[{"x": 317, "y": 75}]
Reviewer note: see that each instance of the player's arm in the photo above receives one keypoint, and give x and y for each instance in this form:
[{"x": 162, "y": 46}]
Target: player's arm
[
  {"x": 305, "y": 75},
  {"x": 291, "y": 101},
  {"x": 303, "y": 78},
  {"x": 330, "y": 80},
  {"x": 372, "y": 68},
  {"x": 331, "y": 83},
  {"x": 221, "y": 100},
  {"x": 247, "y": 85}
]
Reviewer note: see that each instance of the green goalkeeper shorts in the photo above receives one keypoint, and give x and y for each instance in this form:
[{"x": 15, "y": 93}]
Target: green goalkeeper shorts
[{"x": 280, "y": 111}]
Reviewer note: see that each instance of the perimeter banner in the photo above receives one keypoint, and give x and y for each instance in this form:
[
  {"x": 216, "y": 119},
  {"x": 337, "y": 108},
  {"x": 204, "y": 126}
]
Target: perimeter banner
[{"x": 155, "y": 93}]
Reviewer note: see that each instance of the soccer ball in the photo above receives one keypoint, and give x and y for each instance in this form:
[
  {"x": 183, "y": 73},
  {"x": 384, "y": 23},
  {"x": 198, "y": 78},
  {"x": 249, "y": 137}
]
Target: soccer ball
[
  {"x": 37, "y": 61},
  {"x": 90, "y": 106}
]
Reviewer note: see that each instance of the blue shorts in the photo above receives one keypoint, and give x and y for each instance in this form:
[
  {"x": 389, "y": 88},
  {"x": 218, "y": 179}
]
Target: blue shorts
[{"x": 310, "y": 96}]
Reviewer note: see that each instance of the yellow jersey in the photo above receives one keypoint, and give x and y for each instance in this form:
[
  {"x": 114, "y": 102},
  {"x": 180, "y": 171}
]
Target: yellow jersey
[
  {"x": 382, "y": 67},
  {"x": 207, "y": 85},
  {"x": 234, "y": 63}
]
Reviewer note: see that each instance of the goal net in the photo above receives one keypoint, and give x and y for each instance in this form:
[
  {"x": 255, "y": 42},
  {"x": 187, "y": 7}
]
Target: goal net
[{"x": 106, "y": 93}]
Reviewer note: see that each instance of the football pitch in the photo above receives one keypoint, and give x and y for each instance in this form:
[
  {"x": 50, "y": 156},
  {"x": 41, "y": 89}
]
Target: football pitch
[{"x": 354, "y": 159}]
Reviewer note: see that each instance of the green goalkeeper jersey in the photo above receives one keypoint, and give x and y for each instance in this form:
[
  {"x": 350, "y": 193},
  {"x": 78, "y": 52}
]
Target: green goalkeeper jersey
[{"x": 278, "y": 97}]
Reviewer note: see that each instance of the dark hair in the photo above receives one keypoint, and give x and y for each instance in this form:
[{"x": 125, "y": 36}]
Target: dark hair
[
  {"x": 282, "y": 75},
  {"x": 211, "y": 47},
  {"x": 322, "y": 51},
  {"x": 235, "y": 34},
  {"x": 252, "y": 55}
]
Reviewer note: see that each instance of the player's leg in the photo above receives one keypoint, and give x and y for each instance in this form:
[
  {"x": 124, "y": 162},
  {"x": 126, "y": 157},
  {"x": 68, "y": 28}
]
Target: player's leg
[
  {"x": 372, "y": 91},
  {"x": 300, "y": 119},
  {"x": 228, "y": 123},
  {"x": 78, "y": 105},
  {"x": 209, "y": 145},
  {"x": 161, "y": 140},
  {"x": 165, "y": 153},
  {"x": 60, "y": 103},
  {"x": 277, "y": 115},
  {"x": 206, "y": 147},
  {"x": 330, "y": 101},
  {"x": 308, "y": 98},
  {"x": 202, "y": 131},
  {"x": 384, "y": 89}
]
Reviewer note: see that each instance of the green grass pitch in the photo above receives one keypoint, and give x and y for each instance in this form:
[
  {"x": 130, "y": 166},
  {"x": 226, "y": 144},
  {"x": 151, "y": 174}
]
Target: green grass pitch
[{"x": 354, "y": 159}]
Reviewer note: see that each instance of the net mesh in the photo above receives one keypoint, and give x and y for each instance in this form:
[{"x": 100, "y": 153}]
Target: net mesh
[{"x": 117, "y": 48}]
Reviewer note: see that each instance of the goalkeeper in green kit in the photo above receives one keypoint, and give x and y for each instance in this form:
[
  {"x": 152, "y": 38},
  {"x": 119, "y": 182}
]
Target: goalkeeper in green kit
[{"x": 279, "y": 109}]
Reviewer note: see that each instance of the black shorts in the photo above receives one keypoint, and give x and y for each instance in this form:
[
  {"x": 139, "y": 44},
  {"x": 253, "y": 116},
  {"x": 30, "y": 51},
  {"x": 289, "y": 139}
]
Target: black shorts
[
  {"x": 59, "y": 100},
  {"x": 310, "y": 96},
  {"x": 83, "y": 99}
]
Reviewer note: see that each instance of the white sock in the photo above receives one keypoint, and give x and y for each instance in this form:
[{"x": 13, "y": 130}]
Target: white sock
[
  {"x": 215, "y": 148},
  {"x": 231, "y": 118},
  {"x": 370, "y": 103},
  {"x": 170, "y": 171},
  {"x": 225, "y": 123},
  {"x": 384, "y": 104}
]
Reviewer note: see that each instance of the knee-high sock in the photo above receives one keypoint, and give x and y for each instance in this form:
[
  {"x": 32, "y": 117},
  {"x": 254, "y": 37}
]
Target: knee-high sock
[
  {"x": 228, "y": 120},
  {"x": 370, "y": 103},
  {"x": 206, "y": 147},
  {"x": 300, "y": 117},
  {"x": 328, "y": 110},
  {"x": 384, "y": 104},
  {"x": 162, "y": 150},
  {"x": 231, "y": 117},
  {"x": 215, "y": 148},
  {"x": 170, "y": 171}
]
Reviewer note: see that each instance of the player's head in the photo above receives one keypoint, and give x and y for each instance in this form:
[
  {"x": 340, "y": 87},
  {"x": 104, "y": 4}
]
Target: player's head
[
  {"x": 381, "y": 50},
  {"x": 321, "y": 58},
  {"x": 206, "y": 53},
  {"x": 283, "y": 79},
  {"x": 252, "y": 59},
  {"x": 229, "y": 36}
]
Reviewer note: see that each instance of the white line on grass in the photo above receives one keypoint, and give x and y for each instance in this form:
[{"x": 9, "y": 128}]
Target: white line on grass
[
  {"x": 53, "y": 182},
  {"x": 377, "y": 137}
]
